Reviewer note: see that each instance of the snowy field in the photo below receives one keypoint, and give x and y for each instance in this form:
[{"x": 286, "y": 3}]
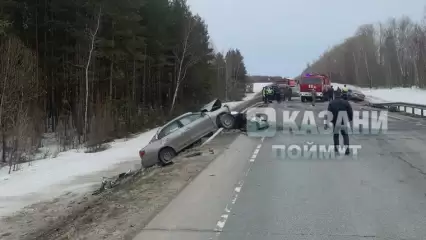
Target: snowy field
[
  {"x": 69, "y": 172},
  {"x": 407, "y": 95}
]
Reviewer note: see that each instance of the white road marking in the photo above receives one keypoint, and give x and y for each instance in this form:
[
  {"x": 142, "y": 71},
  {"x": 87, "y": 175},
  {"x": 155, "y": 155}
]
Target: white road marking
[
  {"x": 211, "y": 138},
  {"x": 221, "y": 223}
]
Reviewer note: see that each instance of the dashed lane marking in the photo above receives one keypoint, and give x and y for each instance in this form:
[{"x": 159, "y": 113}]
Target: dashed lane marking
[
  {"x": 256, "y": 151},
  {"x": 221, "y": 223}
]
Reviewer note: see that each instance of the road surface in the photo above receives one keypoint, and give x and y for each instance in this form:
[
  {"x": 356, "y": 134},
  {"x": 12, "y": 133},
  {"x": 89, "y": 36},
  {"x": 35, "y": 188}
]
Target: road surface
[{"x": 250, "y": 193}]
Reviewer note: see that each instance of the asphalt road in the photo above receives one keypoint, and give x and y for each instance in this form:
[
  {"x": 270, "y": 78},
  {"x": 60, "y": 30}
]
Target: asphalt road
[{"x": 252, "y": 193}]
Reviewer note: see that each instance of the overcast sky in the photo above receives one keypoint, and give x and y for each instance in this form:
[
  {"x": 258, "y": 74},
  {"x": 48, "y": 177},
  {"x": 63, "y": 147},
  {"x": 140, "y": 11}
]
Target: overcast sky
[{"x": 278, "y": 37}]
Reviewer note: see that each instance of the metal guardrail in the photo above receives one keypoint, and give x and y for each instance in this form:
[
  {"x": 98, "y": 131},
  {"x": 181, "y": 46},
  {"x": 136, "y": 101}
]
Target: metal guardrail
[
  {"x": 240, "y": 107},
  {"x": 402, "y": 107}
]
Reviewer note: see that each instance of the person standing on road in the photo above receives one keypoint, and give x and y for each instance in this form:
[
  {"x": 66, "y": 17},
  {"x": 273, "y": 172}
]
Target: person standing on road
[
  {"x": 314, "y": 96},
  {"x": 338, "y": 92},
  {"x": 341, "y": 106},
  {"x": 289, "y": 93}
]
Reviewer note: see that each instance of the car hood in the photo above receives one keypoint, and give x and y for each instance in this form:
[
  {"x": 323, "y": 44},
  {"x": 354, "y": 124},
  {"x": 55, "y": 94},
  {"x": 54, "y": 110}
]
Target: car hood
[{"x": 212, "y": 106}]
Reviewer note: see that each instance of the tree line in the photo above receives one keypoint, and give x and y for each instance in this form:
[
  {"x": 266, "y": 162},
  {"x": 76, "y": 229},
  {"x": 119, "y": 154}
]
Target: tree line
[
  {"x": 390, "y": 54},
  {"x": 89, "y": 71}
]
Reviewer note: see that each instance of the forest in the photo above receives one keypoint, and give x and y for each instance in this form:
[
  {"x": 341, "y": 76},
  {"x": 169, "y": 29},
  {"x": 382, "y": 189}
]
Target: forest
[
  {"x": 389, "y": 54},
  {"x": 89, "y": 71}
]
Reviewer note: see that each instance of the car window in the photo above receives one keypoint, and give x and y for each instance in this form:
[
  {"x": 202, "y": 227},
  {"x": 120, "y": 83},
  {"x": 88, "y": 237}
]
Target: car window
[
  {"x": 189, "y": 119},
  {"x": 169, "y": 129}
]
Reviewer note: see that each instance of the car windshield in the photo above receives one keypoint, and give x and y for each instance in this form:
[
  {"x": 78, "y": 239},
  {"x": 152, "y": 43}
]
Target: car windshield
[{"x": 311, "y": 81}]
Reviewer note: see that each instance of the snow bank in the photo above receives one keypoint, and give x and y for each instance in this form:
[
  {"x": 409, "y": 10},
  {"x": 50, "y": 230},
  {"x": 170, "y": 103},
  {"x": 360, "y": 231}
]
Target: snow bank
[
  {"x": 49, "y": 178},
  {"x": 413, "y": 95},
  {"x": 408, "y": 95}
]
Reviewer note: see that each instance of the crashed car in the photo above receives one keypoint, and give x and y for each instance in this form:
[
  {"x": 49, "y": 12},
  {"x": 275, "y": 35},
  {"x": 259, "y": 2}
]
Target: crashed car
[
  {"x": 355, "y": 95},
  {"x": 185, "y": 130}
]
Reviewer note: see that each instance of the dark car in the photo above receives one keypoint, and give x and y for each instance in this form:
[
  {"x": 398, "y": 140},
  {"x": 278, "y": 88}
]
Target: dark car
[
  {"x": 355, "y": 95},
  {"x": 277, "y": 93}
]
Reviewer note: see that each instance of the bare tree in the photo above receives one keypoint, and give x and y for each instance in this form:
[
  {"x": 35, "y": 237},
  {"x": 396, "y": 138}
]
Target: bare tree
[
  {"x": 18, "y": 91},
  {"x": 92, "y": 47},
  {"x": 185, "y": 57}
]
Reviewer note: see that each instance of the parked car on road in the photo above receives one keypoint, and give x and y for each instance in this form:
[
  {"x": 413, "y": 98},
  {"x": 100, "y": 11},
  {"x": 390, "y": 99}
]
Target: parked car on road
[{"x": 184, "y": 131}]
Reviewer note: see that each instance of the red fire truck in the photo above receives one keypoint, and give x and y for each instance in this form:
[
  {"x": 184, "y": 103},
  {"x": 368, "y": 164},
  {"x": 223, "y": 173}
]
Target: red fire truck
[{"x": 319, "y": 82}]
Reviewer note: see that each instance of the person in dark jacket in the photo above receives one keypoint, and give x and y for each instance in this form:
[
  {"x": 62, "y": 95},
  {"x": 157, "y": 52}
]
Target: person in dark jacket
[
  {"x": 340, "y": 105},
  {"x": 330, "y": 93},
  {"x": 338, "y": 92}
]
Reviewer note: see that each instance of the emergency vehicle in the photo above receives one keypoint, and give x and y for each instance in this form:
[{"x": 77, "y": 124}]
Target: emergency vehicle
[
  {"x": 292, "y": 83},
  {"x": 319, "y": 82}
]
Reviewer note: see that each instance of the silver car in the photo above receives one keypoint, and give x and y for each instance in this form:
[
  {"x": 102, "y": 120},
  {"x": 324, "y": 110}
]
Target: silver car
[{"x": 184, "y": 131}]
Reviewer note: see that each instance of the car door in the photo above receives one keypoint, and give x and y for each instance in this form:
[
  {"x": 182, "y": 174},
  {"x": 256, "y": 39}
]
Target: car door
[
  {"x": 196, "y": 126},
  {"x": 172, "y": 135}
]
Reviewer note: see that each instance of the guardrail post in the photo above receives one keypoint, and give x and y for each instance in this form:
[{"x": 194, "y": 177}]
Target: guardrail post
[
  {"x": 413, "y": 110},
  {"x": 422, "y": 112}
]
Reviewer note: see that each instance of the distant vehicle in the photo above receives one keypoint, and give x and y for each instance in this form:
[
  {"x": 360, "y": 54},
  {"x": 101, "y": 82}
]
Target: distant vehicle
[
  {"x": 319, "y": 82},
  {"x": 284, "y": 89},
  {"x": 185, "y": 130},
  {"x": 294, "y": 87}
]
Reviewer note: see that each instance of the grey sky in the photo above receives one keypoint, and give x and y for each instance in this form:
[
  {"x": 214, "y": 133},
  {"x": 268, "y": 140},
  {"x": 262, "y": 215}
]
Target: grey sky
[{"x": 277, "y": 37}]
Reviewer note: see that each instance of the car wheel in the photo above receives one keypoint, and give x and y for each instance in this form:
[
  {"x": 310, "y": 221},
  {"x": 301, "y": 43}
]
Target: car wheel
[
  {"x": 226, "y": 121},
  {"x": 166, "y": 155}
]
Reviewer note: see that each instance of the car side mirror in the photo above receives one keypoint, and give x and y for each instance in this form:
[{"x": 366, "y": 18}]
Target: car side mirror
[{"x": 203, "y": 113}]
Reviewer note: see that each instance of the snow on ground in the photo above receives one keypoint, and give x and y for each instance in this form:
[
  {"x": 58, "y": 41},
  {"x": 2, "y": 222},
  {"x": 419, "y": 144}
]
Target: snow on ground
[
  {"x": 70, "y": 171},
  {"x": 382, "y": 95},
  {"x": 56, "y": 174}
]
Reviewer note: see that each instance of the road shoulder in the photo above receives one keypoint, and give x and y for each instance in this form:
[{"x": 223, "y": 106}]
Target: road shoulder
[{"x": 195, "y": 212}]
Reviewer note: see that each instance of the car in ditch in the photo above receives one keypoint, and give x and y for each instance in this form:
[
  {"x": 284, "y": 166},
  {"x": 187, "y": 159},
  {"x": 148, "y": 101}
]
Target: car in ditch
[
  {"x": 356, "y": 96},
  {"x": 185, "y": 130}
]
